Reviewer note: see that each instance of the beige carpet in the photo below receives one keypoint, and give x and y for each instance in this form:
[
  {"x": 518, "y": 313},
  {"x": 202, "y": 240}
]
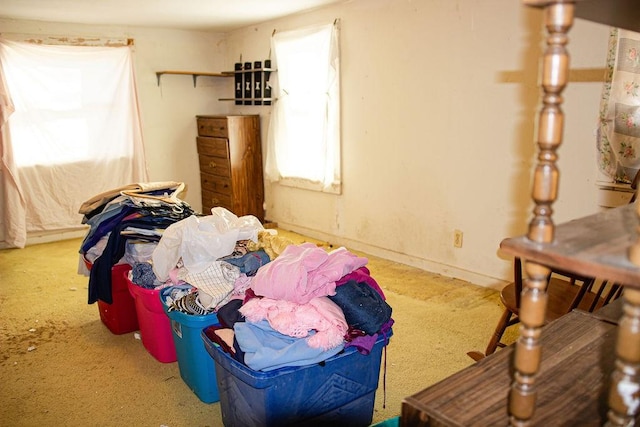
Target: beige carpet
[{"x": 60, "y": 365}]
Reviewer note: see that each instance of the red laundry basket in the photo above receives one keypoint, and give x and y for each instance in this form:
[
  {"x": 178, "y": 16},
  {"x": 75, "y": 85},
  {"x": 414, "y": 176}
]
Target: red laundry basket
[{"x": 120, "y": 316}]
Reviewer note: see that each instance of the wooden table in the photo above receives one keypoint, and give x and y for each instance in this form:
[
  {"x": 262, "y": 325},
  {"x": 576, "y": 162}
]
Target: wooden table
[{"x": 572, "y": 383}]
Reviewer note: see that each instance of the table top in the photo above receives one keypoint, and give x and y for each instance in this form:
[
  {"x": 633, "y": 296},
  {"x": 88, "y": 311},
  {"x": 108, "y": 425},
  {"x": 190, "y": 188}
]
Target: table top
[
  {"x": 595, "y": 246},
  {"x": 577, "y": 359}
]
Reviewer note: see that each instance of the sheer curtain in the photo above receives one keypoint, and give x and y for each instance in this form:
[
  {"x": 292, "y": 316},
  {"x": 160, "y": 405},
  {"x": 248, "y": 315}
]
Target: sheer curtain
[
  {"x": 303, "y": 144},
  {"x": 70, "y": 130}
]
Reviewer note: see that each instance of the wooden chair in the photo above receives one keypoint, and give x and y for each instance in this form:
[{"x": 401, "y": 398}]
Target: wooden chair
[{"x": 565, "y": 291}]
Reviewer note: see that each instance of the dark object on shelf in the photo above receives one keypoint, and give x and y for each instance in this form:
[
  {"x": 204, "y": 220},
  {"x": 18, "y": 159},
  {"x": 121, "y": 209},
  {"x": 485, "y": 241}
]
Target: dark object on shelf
[
  {"x": 267, "y": 84},
  {"x": 238, "y": 82},
  {"x": 257, "y": 83},
  {"x": 248, "y": 78}
]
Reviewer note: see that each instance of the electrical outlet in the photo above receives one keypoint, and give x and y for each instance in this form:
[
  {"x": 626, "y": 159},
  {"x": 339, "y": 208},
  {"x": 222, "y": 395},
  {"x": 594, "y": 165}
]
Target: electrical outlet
[{"x": 457, "y": 238}]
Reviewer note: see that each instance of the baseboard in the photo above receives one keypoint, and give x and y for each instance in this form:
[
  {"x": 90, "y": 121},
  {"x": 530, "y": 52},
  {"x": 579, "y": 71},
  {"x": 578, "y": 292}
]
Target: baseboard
[
  {"x": 427, "y": 265},
  {"x": 423, "y": 264},
  {"x": 35, "y": 238}
]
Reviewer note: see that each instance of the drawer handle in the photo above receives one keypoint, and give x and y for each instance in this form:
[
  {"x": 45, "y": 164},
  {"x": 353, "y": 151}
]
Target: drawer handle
[
  {"x": 212, "y": 164},
  {"x": 214, "y": 201}
]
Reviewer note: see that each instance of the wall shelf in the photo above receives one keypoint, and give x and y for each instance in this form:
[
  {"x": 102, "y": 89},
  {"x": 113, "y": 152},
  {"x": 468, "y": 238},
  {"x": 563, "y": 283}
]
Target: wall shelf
[
  {"x": 242, "y": 76},
  {"x": 194, "y": 74}
]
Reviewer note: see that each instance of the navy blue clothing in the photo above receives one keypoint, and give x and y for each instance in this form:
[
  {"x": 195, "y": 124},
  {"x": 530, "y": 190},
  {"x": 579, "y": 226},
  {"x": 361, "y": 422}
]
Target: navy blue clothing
[
  {"x": 100, "y": 274},
  {"x": 363, "y": 307}
]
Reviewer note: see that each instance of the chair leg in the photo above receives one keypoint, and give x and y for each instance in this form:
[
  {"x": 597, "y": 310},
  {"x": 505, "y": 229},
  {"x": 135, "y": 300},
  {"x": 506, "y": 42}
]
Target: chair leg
[
  {"x": 497, "y": 335},
  {"x": 476, "y": 355}
]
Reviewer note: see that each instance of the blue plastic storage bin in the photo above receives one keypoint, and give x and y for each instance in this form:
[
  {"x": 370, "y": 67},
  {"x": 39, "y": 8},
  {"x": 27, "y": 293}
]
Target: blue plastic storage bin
[
  {"x": 194, "y": 361},
  {"x": 338, "y": 392}
]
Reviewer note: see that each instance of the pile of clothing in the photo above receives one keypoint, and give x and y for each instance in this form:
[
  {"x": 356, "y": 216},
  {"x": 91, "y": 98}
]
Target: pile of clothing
[
  {"x": 125, "y": 225},
  {"x": 278, "y": 303},
  {"x": 302, "y": 308},
  {"x": 215, "y": 255}
]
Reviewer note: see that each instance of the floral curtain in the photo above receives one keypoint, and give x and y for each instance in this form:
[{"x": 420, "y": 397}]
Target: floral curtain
[{"x": 618, "y": 138}]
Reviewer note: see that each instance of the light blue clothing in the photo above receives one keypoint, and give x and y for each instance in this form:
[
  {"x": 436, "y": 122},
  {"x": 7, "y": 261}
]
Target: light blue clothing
[{"x": 266, "y": 349}]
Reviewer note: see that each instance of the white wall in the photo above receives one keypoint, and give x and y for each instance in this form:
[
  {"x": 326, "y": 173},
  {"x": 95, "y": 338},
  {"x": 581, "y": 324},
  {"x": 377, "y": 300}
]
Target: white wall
[{"x": 439, "y": 100}]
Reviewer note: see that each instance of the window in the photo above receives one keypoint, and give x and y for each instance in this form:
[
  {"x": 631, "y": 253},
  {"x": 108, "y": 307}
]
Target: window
[
  {"x": 303, "y": 147},
  {"x": 73, "y": 131}
]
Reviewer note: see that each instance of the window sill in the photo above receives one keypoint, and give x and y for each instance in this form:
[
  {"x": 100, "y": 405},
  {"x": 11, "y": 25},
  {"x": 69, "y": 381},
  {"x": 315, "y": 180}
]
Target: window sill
[{"x": 304, "y": 184}]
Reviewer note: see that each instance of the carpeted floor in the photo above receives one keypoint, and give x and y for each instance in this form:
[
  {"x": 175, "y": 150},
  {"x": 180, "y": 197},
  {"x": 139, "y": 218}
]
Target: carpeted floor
[{"x": 60, "y": 365}]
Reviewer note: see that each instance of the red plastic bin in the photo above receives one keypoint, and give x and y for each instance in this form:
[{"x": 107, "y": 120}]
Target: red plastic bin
[
  {"x": 120, "y": 316},
  {"x": 155, "y": 326}
]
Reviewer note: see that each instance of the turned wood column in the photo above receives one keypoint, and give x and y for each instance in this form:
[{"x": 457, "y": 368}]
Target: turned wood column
[
  {"x": 624, "y": 389},
  {"x": 555, "y": 70}
]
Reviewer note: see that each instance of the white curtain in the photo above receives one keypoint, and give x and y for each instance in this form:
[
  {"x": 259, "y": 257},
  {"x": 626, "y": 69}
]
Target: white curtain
[
  {"x": 303, "y": 143},
  {"x": 70, "y": 130},
  {"x": 619, "y": 125}
]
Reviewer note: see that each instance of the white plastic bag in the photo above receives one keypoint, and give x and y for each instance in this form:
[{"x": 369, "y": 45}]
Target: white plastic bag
[{"x": 200, "y": 241}]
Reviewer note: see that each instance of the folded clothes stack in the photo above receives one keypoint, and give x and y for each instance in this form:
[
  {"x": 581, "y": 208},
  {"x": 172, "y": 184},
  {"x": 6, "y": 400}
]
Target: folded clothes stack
[
  {"x": 278, "y": 303},
  {"x": 125, "y": 225}
]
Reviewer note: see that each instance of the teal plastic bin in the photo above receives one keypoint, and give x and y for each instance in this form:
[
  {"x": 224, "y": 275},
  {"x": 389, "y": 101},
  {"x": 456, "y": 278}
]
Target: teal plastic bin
[
  {"x": 391, "y": 422},
  {"x": 194, "y": 361}
]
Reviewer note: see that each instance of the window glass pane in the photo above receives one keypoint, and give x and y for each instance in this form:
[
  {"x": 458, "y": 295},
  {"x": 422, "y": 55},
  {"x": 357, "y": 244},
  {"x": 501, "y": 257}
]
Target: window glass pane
[
  {"x": 304, "y": 131},
  {"x": 66, "y": 106}
]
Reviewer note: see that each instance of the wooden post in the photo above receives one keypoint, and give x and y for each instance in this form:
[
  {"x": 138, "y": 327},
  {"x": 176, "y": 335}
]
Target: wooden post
[
  {"x": 624, "y": 390},
  {"x": 555, "y": 71}
]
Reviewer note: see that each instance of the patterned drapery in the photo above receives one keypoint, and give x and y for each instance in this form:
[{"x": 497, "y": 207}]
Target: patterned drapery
[{"x": 618, "y": 138}]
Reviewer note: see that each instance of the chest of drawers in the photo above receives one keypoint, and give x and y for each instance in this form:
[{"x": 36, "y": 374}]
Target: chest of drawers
[{"x": 230, "y": 158}]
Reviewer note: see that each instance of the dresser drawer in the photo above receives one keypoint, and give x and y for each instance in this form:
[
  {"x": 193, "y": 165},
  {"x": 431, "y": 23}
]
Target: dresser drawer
[
  {"x": 215, "y": 166},
  {"x": 213, "y": 126},
  {"x": 230, "y": 161},
  {"x": 216, "y": 147},
  {"x": 216, "y": 184},
  {"x": 211, "y": 200}
]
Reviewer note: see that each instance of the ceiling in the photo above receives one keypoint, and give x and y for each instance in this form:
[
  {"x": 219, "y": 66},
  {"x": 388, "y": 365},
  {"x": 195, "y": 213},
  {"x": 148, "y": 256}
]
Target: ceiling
[{"x": 205, "y": 15}]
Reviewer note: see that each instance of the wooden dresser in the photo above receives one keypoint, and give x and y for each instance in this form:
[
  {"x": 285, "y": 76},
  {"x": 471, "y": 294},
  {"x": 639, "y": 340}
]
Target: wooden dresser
[
  {"x": 582, "y": 369},
  {"x": 230, "y": 157}
]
